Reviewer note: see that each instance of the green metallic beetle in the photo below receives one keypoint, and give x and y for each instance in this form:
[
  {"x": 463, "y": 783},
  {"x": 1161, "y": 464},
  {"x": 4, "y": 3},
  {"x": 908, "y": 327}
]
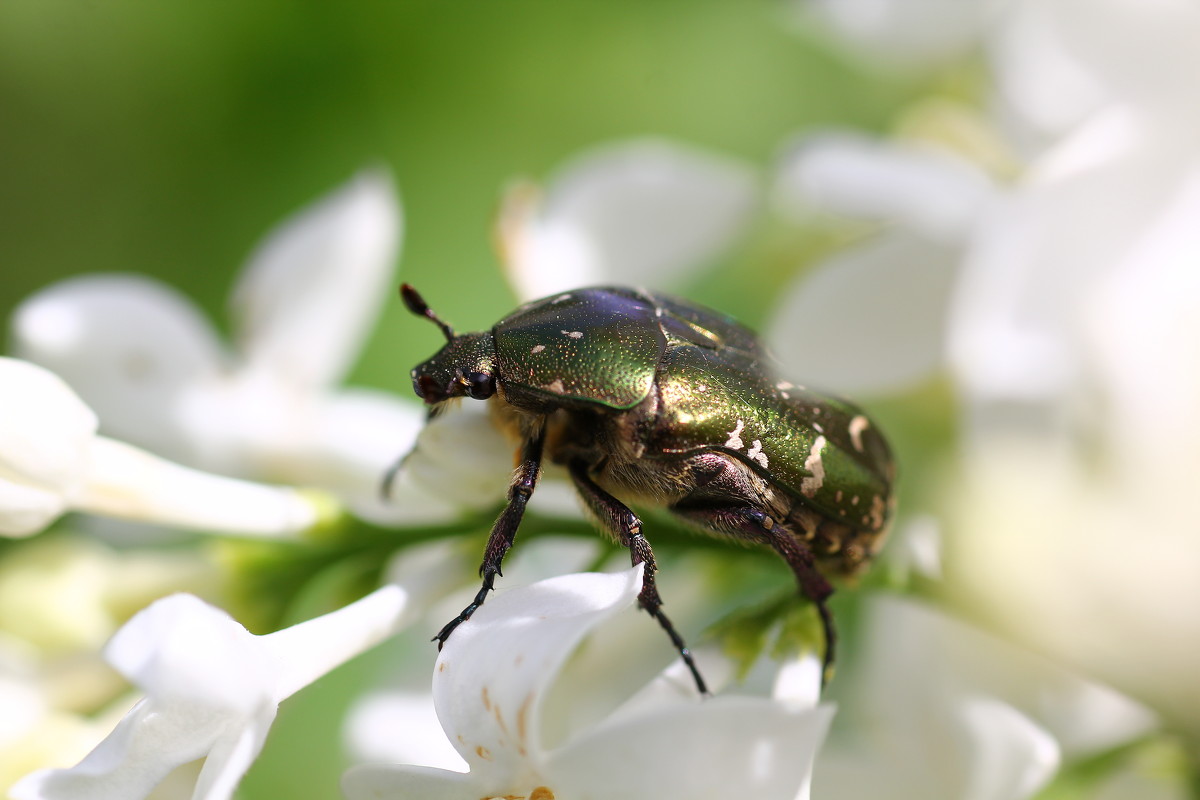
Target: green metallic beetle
[{"x": 652, "y": 399}]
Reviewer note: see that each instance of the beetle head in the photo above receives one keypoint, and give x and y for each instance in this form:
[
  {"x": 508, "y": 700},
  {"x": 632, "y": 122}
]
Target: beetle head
[{"x": 463, "y": 368}]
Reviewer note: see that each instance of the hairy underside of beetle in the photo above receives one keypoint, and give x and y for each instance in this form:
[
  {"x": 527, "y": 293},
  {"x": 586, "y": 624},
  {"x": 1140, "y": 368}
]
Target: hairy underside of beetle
[{"x": 695, "y": 485}]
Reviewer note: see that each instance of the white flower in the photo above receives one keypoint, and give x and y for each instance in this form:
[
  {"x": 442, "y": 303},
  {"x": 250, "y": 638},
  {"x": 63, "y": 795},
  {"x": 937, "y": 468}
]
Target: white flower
[
  {"x": 913, "y": 34},
  {"x": 490, "y": 692},
  {"x": 640, "y": 213},
  {"x": 156, "y": 374},
  {"x": 925, "y": 714},
  {"x": 1074, "y": 342},
  {"x": 212, "y": 691},
  {"x": 52, "y": 461},
  {"x": 873, "y": 317}
]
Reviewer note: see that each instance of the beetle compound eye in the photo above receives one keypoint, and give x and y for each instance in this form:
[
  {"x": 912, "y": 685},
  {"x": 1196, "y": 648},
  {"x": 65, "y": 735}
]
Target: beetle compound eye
[{"x": 480, "y": 385}]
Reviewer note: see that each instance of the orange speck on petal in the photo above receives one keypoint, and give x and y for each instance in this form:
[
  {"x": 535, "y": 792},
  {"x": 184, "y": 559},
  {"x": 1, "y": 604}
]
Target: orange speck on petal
[
  {"x": 541, "y": 793},
  {"x": 523, "y": 716}
]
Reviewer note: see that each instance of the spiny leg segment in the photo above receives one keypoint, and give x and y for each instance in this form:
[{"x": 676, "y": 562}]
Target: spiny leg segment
[
  {"x": 756, "y": 525},
  {"x": 505, "y": 530},
  {"x": 627, "y": 528}
]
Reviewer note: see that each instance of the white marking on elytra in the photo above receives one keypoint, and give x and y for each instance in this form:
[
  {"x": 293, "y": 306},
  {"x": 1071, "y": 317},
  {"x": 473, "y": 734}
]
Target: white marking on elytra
[
  {"x": 573, "y": 334},
  {"x": 817, "y": 427},
  {"x": 702, "y": 388},
  {"x": 538, "y": 348},
  {"x": 854, "y": 500},
  {"x": 755, "y": 452},
  {"x": 877, "y": 509},
  {"x": 810, "y": 485},
  {"x": 557, "y": 386},
  {"x": 857, "y": 426},
  {"x": 735, "y": 437}
]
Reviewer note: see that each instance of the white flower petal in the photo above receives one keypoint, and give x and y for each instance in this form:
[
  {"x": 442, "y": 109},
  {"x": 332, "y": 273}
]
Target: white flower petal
[
  {"x": 798, "y": 682},
  {"x": 675, "y": 686},
  {"x": 1024, "y": 281},
  {"x": 437, "y": 468},
  {"x": 212, "y": 690},
  {"x": 183, "y": 648},
  {"x": 1041, "y": 84},
  {"x": 1142, "y": 51},
  {"x": 725, "y": 747},
  {"x": 314, "y": 288},
  {"x": 230, "y": 757},
  {"x": 1142, "y": 325},
  {"x": 308, "y": 650},
  {"x": 127, "y": 482},
  {"x": 390, "y": 782},
  {"x": 45, "y": 429},
  {"x": 870, "y": 319},
  {"x": 925, "y": 719},
  {"x": 907, "y": 33},
  {"x": 640, "y": 213},
  {"x": 401, "y": 728},
  {"x": 127, "y": 344},
  {"x": 1013, "y": 758},
  {"x": 356, "y": 435},
  {"x": 493, "y": 673},
  {"x": 929, "y": 191},
  {"x": 142, "y": 750},
  {"x": 25, "y": 510}
]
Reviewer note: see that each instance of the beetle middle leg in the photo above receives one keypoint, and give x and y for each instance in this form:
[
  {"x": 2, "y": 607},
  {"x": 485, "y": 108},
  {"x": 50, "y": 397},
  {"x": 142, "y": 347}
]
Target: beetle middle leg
[
  {"x": 505, "y": 530},
  {"x": 616, "y": 517}
]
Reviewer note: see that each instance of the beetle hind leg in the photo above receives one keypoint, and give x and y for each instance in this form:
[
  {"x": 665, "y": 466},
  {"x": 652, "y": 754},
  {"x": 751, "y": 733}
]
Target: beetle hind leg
[
  {"x": 756, "y": 525},
  {"x": 616, "y": 517}
]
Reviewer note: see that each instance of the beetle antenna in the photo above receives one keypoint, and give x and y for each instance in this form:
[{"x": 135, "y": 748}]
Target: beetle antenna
[{"x": 417, "y": 305}]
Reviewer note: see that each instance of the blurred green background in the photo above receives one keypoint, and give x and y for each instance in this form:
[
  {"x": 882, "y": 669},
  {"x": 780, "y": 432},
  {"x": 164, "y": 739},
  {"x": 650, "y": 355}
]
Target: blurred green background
[{"x": 167, "y": 138}]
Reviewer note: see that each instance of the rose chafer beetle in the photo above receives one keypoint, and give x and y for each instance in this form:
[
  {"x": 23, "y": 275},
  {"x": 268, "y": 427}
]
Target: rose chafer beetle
[{"x": 648, "y": 398}]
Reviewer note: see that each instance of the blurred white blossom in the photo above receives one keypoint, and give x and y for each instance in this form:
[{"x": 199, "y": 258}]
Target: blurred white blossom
[
  {"x": 1071, "y": 334},
  {"x": 934, "y": 708},
  {"x": 157, "y": 375},
  {"x": 52, "y": 461},
  {"x": 906, "y": 34},
  {"x": 212, "y": 691},
  {"x": 490, "y": 691},
  {"x": 641, "y": 213},
  {"x": 882, "y": 303}
]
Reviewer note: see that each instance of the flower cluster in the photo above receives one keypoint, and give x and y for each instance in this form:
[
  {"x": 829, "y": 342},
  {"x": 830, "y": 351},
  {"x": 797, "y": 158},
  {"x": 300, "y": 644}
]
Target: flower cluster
[{"x": 1028, "y": 250}]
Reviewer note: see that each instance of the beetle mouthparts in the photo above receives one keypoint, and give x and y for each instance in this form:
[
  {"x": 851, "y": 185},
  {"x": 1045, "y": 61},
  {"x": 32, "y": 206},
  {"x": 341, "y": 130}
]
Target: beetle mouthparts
[{"x": 428, "y": 390}]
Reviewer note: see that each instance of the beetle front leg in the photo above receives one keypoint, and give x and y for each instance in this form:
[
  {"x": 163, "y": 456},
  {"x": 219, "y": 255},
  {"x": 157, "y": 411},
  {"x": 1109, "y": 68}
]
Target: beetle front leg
[
  {"x": 627, "y": 528},
  {"x": 505, "y": 530},
  {"x": 756, "y": 525}
]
